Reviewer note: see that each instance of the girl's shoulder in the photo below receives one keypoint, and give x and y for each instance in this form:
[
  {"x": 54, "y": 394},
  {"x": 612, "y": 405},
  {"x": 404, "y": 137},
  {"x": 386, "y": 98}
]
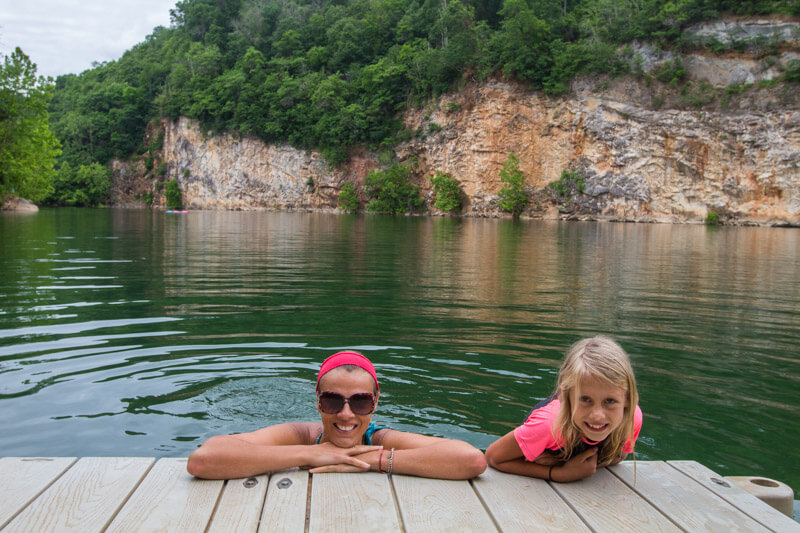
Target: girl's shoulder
[{"x": 544, "y": 411}]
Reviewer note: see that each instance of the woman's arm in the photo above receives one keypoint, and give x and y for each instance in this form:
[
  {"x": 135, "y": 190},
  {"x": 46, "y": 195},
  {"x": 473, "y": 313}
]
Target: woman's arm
[
  {"x": 269, "y": 449},
  {"x": 505, "y": 455},
  {"x": 420, "y": 455}
]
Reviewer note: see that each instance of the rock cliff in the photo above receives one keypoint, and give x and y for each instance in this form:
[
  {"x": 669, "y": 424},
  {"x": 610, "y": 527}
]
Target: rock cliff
[{"x": 644, "y": 150}]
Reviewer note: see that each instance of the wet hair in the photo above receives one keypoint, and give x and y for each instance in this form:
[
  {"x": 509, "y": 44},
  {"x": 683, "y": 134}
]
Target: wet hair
[
  {"x": 353, "y": 368},
  {"x": 603, "y": 359}
]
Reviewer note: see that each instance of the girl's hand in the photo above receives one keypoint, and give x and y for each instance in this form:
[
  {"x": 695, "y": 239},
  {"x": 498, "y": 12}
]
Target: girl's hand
[
  {"x": 578, "y": 467},
  {"x": 328, "y": 457}
]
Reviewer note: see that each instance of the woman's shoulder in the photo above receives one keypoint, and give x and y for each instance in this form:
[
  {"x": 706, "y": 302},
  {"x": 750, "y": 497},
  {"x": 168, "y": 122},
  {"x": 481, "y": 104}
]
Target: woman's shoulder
[{"x": 285, "y": 434}]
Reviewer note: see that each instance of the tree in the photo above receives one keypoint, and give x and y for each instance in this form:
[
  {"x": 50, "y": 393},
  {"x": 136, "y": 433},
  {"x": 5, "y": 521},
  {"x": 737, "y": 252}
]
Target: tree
[
  {"x": 28, "y": 148},
  {"x": 512, "y": 196},
  {"x": 173, "y": 194},
  {"x": 88, "y": 185},
  {"x": 448, "y": 195},
  {"x": 348, "y": 198}
]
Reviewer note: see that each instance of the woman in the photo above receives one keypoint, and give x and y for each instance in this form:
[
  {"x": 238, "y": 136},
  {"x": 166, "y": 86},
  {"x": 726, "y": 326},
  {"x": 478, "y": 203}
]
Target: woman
[{"x": 345, "y": 440}]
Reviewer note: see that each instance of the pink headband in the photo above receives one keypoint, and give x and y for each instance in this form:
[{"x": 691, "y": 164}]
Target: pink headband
[{"x": 347, "y": 358}]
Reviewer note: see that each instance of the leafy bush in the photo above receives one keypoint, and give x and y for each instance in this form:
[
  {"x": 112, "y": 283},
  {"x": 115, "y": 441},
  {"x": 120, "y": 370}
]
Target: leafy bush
[
  {"x": 348, "y": 199},
  {"x": 172, "y": 192},
  {"x": 672, "y": 72},
  {"x": 569, "y": 184},
  {"x": 512, "y": 197},
  {"x": 447, "y": 192},
  {"x": 712, "y": 218},
  {"x": 391, "y": 190},
  {"x": 792, "y": 71}
]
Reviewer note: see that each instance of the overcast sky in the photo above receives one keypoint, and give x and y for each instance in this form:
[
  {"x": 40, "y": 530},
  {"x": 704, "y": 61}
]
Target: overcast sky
[{"x": 66, "y": 36}]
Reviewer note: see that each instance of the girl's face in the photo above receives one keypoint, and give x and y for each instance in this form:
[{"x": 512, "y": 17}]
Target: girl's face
[
  {"x": 598, "y": 408},
  {"x": 345, "y": 428}
]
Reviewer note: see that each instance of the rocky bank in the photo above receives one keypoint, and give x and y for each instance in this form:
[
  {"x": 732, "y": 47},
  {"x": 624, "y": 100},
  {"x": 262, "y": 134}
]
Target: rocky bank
[{"x": 644, "y": 150}]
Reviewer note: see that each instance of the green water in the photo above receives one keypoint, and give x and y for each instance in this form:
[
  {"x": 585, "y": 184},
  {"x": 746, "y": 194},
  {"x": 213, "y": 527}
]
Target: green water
[{"x": 144, "y": 333}]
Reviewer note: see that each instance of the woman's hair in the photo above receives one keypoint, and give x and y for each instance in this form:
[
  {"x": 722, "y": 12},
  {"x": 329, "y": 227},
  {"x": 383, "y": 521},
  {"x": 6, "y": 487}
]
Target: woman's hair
[{"x": 601, "y": 358}]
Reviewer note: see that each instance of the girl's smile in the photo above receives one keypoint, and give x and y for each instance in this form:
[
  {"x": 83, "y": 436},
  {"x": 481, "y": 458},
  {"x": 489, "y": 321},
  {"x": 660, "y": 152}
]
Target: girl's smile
[{"x": 598, "y": 408}]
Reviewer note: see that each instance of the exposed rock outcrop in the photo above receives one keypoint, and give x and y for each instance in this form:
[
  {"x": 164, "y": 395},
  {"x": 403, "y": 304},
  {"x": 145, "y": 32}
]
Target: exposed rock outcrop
[{"x": 17, "y": 205}]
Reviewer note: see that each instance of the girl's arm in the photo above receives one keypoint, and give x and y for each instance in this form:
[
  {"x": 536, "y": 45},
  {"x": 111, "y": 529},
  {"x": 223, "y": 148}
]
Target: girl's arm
[
  {"x": 420, "y": 455},
  {"x": 267, "y": 450},
  {"x": 505, "y": 455}
]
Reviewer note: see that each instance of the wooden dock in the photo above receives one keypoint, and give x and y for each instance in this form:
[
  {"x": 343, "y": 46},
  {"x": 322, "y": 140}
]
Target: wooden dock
[{"x": 142, "y": 494}]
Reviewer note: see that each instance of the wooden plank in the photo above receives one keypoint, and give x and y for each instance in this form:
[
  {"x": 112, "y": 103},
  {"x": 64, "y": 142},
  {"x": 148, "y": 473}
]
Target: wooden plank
[
  {"x": 85, "y": 498},
  {"x": 23, "y": 478},
  {"x": 169, "y": 499},
  {"x": 606, "y": 504},
  {"x": 738, "y": 497},
  {"x": 287, "y": 498},
  {"x": 439, "y": 504},
  {"x": 685, "y": 501},
  {"x": 239, "y": 507},
  {"x": 520, "y": 503},
  {"x": 352, "y": 503}
]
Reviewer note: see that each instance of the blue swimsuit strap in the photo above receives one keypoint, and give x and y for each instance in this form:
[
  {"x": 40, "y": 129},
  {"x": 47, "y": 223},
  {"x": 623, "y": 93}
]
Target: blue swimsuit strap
[{"x": 367, "y": 440}]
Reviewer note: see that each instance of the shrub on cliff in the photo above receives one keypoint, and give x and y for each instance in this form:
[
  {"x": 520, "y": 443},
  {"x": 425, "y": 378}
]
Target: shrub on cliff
[
  {"x": 568, "y": 185},
  {"x": 447, "y": 192},
  {"x": 391, "y": 191},
  {"x": 348, "y": 199},
  {"x": 172, "y": 192},
  {"x": 512, "y": 197}
]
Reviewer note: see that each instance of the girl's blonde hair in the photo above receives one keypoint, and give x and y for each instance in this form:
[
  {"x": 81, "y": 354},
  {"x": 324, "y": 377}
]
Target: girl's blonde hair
[{"x": 603, "y": 359}]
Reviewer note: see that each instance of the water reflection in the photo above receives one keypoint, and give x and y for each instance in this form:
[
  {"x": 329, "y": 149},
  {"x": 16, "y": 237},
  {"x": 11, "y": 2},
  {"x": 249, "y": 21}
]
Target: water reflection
[{"x": 140, "y": 333}]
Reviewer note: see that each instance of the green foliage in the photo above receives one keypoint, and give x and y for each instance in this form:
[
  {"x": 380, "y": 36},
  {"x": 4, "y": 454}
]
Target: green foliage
[
  {"x": 348, "y": 198},
  {"x": 672, "y": 72},
  {"x": 391, "y": 190},
  {"x": 712, "y": 218},
  {"x": 568, "y": 185},
  {"x": 792, "y": 71},
  {"x": 86, "y": 185},
  {"x": 172, "y": 192},
  {"x": 28, "y": 149},
  {"x": 512, "y": 197},
  {"x": 447, "y": 192}
]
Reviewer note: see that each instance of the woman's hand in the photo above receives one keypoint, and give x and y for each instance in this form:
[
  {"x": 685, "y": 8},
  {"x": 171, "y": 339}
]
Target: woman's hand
[{"x": 327, "y": 457}]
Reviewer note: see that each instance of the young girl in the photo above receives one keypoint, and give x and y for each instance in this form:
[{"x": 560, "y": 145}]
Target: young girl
[{"x": 592, "y": 419}]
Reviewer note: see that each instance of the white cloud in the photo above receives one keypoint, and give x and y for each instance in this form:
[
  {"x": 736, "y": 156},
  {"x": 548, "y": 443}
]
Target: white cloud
[{"x": 66, "y": 36}]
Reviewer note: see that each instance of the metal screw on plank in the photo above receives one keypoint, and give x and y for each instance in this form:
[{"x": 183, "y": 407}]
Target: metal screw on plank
[
  {"x": 720, "y": 482},
  {"x": 250, "y": 482},
  {"x": 284, "y": 483}
]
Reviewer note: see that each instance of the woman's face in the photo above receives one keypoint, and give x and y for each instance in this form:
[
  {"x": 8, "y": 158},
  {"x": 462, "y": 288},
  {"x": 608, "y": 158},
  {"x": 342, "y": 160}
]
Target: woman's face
[{"x": 345, "y": 429}]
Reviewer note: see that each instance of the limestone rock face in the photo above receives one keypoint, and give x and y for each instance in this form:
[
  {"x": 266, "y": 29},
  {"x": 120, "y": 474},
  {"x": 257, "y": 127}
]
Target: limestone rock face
[
  {"x": 226, "y": 172},
  {"x": 637, "y": 163}
]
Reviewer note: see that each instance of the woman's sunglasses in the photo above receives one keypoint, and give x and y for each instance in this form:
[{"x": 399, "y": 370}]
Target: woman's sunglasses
[{"x": 331, "y": 403}]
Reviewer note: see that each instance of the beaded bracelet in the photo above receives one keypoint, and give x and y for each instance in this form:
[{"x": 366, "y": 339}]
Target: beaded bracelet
[
  {"x": 391, "y": 460},
  {"x": 550, "y": 473}
]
